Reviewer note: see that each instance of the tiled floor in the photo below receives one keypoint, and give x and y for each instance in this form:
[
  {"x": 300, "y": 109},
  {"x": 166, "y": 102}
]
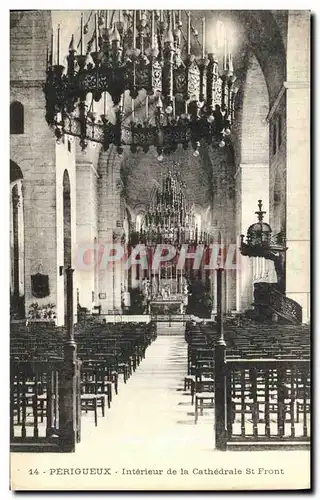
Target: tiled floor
[{"x": 151, "y": 425}]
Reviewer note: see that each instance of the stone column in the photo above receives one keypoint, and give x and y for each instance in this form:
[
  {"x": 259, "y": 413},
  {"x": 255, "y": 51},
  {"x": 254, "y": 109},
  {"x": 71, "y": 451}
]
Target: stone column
[
  {"x": 17, "y": 233},
  {"x": 87, "y": 231},
  {"x": 298, "y": 160},
  {"x": 21, "y": 239},
  {"x": 109, "y": 227}
]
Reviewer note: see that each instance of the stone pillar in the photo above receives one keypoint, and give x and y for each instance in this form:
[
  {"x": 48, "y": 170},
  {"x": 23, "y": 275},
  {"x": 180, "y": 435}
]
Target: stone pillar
[
  {"x": 252, "y": 184},
  {"x": 87, "y": 231},
  {"x": 17, "y": 233},
  {"x": 230, "y": 273},
  {"x": 109, "y": 227},
  {"x": 64, "y": 167},
  {"x": 220, "y": 373},
  {"x": 21, "y": 239},
  {"x": 68, "y": 418},
  {"x": 298, "y": 160}
]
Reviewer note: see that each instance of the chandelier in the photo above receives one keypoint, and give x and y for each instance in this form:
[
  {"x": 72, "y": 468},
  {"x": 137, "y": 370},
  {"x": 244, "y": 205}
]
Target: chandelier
[
  {"x": 157, "y": 54},
  {"x": 170, "y": 219}
]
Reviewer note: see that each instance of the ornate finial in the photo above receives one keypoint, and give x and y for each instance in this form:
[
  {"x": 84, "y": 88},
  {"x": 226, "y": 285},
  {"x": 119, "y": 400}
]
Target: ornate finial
[
  {"x": 71, "y": 45},
  {"x": 115, "y": 34},
  {"x": 169, "y": 35},
  {"x": 159, "y": 104},
  {"x": 260, "y": 213}
]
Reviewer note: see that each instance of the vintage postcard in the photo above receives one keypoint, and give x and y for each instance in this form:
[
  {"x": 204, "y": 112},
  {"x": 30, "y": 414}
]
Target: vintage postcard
[{"x": 159, "y": 250}]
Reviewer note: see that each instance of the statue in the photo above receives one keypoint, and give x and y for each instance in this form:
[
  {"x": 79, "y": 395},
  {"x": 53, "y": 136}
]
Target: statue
[
  {"x": 146, "y": 289},
  {"x": 165, "y": 292}
]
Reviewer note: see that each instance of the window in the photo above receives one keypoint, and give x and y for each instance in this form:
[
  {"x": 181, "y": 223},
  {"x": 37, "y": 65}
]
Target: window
[{"x": 16, "y": 118}]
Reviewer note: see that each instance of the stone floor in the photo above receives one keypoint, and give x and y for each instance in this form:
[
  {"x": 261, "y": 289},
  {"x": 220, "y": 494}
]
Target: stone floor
[{"x": 151, "y": 426}]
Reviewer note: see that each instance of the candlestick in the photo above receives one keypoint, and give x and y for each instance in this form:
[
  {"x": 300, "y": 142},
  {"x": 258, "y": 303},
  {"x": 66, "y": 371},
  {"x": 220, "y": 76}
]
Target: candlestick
[
  {"x": 147, "y": 106},
  {"x": 107, "y": 18},
  {"x": 134, "y": 29},
  {"x": 132, "y": 107},
  {"x": 105, "y": 103},
  {"x": 173, "y": 20},
  {"x": 96, "y": 31},
  {"x": 58, "y": 46},
  {"x": 81, "y": 35},
  {"x": 173, "y": 106},
  {"x": 152, "y": 29},
  {"x": 161, "y": 16},
  {"x": 225, "y": 51},
  {"x": 203, "y": 36},
  {"x": 230, "y": 63},
  {"x": 52, "y": 50},
  {"x": 180, "y": 18},
  {"x": 189, "y": 33}
]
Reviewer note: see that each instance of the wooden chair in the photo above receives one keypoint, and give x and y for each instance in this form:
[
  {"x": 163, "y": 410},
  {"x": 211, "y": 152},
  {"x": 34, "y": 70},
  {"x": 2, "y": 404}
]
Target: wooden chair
[
  {"x": 92, "y": 390},
  {"x": 204, "y": 398},
  {"x": 204, "y": 372}
]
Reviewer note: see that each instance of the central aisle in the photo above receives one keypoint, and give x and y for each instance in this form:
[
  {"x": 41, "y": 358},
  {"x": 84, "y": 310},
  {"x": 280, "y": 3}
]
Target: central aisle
[{"x": 152, "y": 414}]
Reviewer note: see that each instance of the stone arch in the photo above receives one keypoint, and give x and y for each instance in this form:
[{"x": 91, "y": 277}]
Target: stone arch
[
  {"x": 267, "y": 43},
  {"x": 254, "y": 130}
]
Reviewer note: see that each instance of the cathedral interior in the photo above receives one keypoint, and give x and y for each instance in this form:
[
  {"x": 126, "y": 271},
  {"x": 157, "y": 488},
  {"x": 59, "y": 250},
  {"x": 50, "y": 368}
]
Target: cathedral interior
[{"x": 134, "y": 129}]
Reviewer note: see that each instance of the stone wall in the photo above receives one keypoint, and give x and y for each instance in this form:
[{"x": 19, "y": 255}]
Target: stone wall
[
  {"x": 277, "y": 162},
  {"x": 86, "y": 275},
  {"x": 251, "y": 141},
  {"x": 34, "y": 151},
  {"x": 298, "y": 160},
  {"x": 40, "y": 158}
]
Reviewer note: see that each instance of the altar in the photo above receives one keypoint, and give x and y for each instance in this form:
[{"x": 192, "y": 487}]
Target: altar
[
  {"x": 167, "y": 296},
  {"x": 176, "y": 305}
]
